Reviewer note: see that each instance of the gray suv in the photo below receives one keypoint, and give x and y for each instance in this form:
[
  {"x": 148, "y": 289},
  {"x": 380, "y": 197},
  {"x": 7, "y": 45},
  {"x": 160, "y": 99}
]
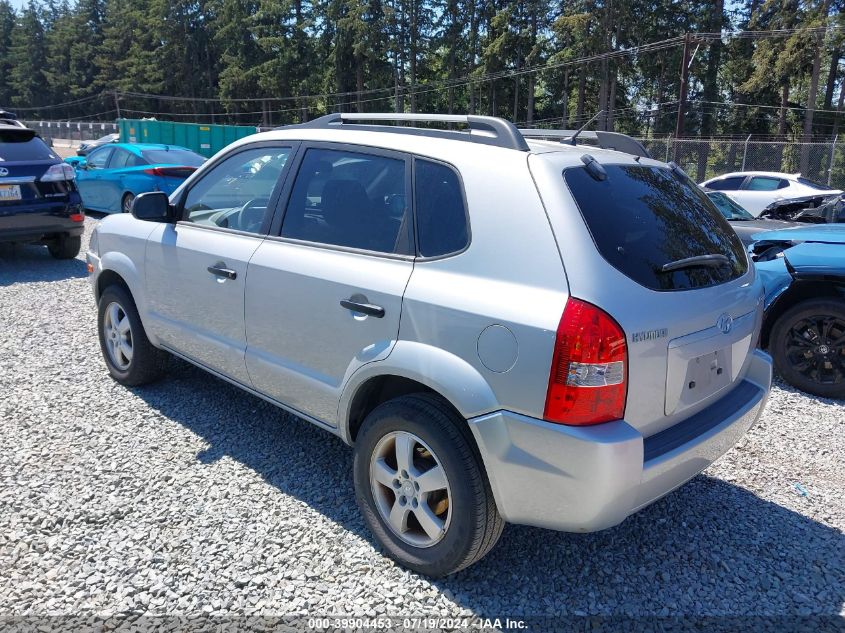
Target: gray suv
[{"x": 505, "y": 329}]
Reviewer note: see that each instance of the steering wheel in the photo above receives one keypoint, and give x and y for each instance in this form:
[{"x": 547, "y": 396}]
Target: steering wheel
[{"x": 250, "y": 216}]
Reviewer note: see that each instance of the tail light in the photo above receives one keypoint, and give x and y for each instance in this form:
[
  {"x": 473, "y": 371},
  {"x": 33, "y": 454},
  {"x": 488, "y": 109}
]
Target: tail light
[
  {"x": 77, "y": 217},
  {"x": 59, "y": 172},
  {"x": 588, "y": 381},
  {"x": 170, "y": 172}
]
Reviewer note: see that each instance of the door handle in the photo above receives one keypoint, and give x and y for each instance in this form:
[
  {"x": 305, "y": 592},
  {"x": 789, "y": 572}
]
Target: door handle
[
  {"x": 364, "y": 308},
  {"x": 228, "y": 273}
]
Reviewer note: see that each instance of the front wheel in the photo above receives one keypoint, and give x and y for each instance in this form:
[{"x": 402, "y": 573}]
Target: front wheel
[
  {"x": 808, "y": 347},
  {"x": 130, "y": 357},
  {"x": 422, "y": 488}
]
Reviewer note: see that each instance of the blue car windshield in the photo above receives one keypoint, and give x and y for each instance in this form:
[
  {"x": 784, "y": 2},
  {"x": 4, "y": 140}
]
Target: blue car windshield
[{"x": 172, "y": 157}]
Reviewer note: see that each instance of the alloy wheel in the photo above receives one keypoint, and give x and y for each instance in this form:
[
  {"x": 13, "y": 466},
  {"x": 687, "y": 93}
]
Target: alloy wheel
[
  {"x": 410, "y": 489},
  {"x": 117, "y": 333},
  {"x": 815, "y": 348}
]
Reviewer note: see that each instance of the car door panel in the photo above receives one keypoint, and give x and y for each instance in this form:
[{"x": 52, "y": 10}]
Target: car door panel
[
  {"x": 196, "y": 269},
  {"x": 90, "y": 179},
  {"x": 303, "y": 345},
  {"x": 342, "y": 239},
  {"x": 194, "y": 311}
]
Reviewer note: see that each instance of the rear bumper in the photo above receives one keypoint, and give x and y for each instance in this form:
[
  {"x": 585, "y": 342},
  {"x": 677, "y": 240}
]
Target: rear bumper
[
  {"x": 583, "y": 479},
  {"x": 33, "y": 222}
]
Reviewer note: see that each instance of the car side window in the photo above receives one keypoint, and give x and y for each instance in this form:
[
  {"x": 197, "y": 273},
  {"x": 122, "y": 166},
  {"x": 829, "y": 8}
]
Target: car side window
[
  {"x": 235, "y": 193},
  {"x": 440, "y": 212},
  {"x": 350, "y": 199},
  {"x": 99, "y": 159},
  {"x": 133, "y": 160},
  {"x": 119, "y": 158},
  {"x": 731, "y": 183},
  {"x": 766, "y": 183}
]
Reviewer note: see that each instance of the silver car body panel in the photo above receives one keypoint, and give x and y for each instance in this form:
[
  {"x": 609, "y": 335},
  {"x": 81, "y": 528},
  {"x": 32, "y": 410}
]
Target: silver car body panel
[{"x": 478, "y": 327}]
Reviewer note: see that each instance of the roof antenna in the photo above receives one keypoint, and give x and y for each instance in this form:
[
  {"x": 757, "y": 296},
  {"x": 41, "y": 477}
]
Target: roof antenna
[{"x": 581, "y": 129}]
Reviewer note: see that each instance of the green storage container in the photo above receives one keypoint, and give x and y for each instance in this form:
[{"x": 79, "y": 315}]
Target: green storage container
[{"x": 199, "y": 137}]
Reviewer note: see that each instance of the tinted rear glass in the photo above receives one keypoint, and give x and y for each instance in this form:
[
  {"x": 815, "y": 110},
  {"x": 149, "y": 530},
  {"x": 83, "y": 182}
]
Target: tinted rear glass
[
  {"x": 441, "y": 217},
  {"x": 172, "y": 157},
  {"x": 13, "y": 148},
  {"x": 642, "y": 218},
  {"x": 813, "y": 184},
  {"x": 726, "y": 184}
]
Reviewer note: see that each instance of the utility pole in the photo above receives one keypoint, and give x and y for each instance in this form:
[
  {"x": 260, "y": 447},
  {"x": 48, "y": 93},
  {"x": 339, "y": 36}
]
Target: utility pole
[
  {"x": 117, "y": 104},
  {"x": 682, "y": 97}
]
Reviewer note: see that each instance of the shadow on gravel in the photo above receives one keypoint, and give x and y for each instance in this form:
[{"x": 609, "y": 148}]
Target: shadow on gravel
[
  {"x": 710, "y": 548},
  {"x": 21, "y": 263}
]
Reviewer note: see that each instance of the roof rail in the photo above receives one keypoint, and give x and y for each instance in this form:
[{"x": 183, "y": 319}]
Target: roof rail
[
  {"x": 605, "y": 140},
  {"x": 486, "y": 130}
]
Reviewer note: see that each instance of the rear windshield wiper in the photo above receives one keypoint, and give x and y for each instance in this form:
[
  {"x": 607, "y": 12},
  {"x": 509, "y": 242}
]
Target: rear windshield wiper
[{"x": 712, "y": 261}]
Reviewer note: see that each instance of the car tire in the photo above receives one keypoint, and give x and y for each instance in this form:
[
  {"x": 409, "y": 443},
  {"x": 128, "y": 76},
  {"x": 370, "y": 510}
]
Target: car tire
[
  {"x": 126, "y": 202},
  {"x": 807, "y": 344},
  {"x": 466, "y": 523},
  {"x": 65, "y": 247},
  {"x": 130, "y": 357}
]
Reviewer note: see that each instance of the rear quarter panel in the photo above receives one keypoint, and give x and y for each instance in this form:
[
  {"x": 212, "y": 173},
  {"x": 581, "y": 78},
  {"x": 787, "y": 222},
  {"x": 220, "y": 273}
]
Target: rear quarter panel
[{"x": 501, "y": 299}]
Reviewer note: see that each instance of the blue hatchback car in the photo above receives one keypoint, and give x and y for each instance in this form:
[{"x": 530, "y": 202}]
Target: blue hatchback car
[
  {"x": 111, "y": 176},
  {"x": 803, "y": 272}
]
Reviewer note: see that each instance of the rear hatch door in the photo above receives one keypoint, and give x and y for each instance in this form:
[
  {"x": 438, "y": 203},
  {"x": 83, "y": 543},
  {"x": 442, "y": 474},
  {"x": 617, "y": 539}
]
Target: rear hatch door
[{"x": 648, "y": 247}]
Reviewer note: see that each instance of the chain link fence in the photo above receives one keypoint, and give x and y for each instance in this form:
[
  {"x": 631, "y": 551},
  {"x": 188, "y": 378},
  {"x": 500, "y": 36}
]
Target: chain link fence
[
  {"x": 700, "y": 158},
  {"x": 703, "y": 158},
  {"x": 72, "y": 130}
]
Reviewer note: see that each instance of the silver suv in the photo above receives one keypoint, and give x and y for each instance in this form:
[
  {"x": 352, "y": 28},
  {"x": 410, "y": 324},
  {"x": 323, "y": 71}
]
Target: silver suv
[{"x": 505, "y": 329}]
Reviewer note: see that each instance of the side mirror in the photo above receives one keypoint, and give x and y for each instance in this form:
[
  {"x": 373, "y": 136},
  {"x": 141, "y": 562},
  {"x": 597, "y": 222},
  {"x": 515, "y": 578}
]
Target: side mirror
[
  {"x": 77, "y": 162},
  {"x": 153, "y": 206}
]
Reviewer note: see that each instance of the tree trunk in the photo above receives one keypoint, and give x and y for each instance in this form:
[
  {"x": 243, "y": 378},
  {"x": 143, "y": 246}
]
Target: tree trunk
[
  {"x": 529, "y": 114},
  {"x": 711, "y": 88},
  {"x": 582, "y": 87},
  {"x": 811, "y": 104},
  {"x": 784, "y": 105},
  {"x": 414, "y": 44},
  {"x": 565, "y": 105},
  {"x": 839, "y": 112},
  {"x": 473, "y": 52},
  {"x": 611, "y": 100},
  {"x": 359, "y": 82},
  {"x": 831, "y": 78}
]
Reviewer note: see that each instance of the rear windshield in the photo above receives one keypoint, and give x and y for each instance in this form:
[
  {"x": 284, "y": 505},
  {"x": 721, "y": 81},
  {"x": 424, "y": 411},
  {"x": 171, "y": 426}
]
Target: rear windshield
[
  {"x": 14, "y": 148},
  {"x": 644, "y": 218},
  {"x": 172, "y": 157},
  {"x": 813, "y": 184}
]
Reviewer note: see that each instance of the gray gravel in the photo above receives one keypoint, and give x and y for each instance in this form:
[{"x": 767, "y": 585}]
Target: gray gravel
[{"x": 190, "y": 496}]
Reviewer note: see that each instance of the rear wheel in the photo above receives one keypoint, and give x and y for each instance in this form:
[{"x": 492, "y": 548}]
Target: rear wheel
[
  {"x": 808, "y": 347},
  {"x": 126, "y": 203},
  {"x": 65, "y": 247},
  {"x": 130, "y": 357},
  {"x": 421, "y": 486}
]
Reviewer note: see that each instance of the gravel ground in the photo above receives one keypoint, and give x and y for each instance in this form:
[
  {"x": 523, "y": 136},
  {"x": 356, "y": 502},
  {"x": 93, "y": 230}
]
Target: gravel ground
[{"x": 191, "y": 496}]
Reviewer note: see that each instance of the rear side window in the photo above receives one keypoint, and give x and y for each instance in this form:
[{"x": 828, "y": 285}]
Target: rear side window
[
  {"x": 726, "y": 184},
  {"x": 172, "y": 157},
  {"x": 99, "y": 158},
  {"x": 646, "y": 220},
  {"x": 14, "y": 148},
  {"x": 813, "y": 184},
  {"x": 764, "y": 183},
  {"x": 440, "y": 213},
  {"x": 349, "y": 199}
]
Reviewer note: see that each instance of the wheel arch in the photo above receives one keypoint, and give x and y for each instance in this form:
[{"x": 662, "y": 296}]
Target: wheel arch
[
  {"x": 118, "y": 268},
  {"x": 413, "y": 368},
  {"x": 801, "y": 289}
]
